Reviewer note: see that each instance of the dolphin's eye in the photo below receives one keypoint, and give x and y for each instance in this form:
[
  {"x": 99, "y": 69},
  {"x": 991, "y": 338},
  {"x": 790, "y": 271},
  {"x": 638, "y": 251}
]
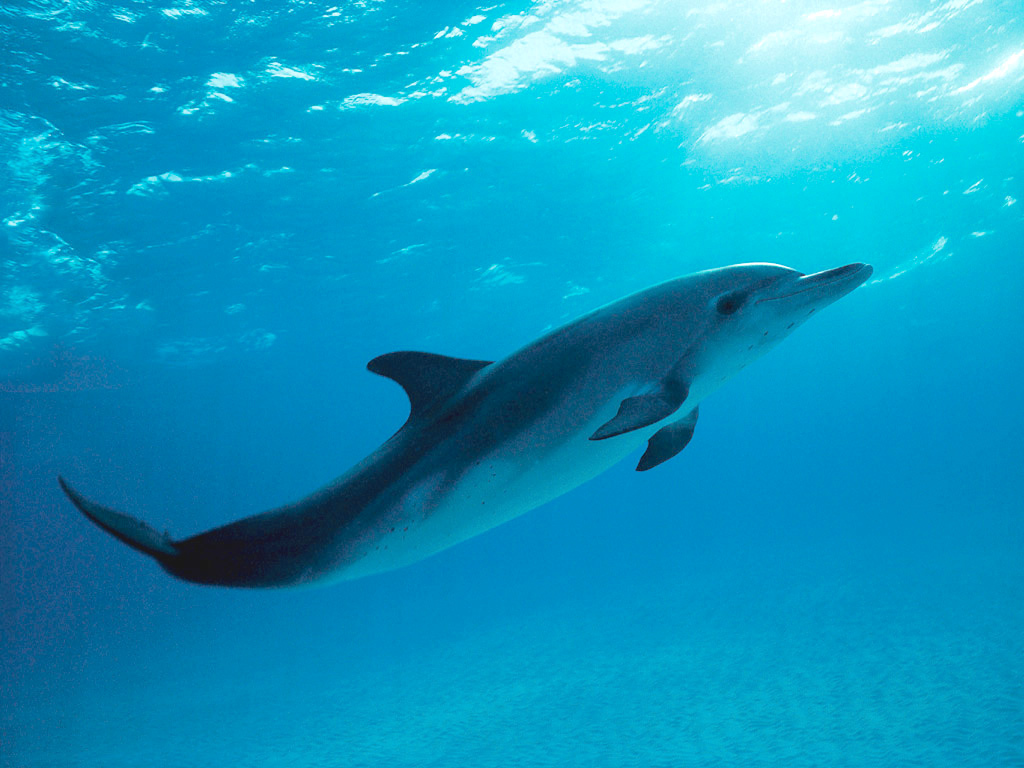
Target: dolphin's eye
[{"x": 730, "y": 303}]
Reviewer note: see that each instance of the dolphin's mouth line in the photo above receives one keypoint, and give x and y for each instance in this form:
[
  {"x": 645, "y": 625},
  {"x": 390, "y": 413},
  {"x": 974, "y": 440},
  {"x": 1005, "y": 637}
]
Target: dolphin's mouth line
[
  {"x": 821, "y": 280},
  {"x": 788, "y": 295}
]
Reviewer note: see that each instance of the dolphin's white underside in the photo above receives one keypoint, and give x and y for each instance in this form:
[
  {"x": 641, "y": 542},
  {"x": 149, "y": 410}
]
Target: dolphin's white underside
[
  {"x": 524, "y": 473},
  {"x": 434, "y": 513}
]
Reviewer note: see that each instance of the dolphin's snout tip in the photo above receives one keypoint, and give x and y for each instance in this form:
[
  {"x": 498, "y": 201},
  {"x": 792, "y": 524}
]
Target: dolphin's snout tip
[
  {"x": 860, "y": 269},
  {"x": 849, "y": 276},
  {"x": 828, "y": 285},
  {"x": 850, "y": 271},
  {"x": 859, "y": 274}
]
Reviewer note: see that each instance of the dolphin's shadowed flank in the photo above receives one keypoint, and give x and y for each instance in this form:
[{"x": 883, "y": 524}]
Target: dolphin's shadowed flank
[{"x": 486, "y": 442}]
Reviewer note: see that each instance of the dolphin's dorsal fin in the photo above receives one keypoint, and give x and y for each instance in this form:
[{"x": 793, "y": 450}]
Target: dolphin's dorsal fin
[{"x": 425, "y": 377}]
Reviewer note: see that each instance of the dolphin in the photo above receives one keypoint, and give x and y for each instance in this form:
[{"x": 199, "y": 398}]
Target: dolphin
[{"x": 487, "y": 441}]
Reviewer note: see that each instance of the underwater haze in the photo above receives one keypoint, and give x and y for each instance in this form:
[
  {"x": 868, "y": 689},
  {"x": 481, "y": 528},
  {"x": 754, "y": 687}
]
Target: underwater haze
[{"x": 215, "y": 212}]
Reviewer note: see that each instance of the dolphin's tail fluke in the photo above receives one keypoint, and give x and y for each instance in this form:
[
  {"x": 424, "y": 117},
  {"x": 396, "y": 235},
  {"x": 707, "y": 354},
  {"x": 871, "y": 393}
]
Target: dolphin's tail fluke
[{"x": 135, "y": 533}]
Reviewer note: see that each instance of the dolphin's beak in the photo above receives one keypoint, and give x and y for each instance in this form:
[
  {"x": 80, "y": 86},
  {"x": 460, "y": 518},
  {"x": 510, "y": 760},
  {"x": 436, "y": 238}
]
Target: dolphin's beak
[{"x": 822, "y": 288}]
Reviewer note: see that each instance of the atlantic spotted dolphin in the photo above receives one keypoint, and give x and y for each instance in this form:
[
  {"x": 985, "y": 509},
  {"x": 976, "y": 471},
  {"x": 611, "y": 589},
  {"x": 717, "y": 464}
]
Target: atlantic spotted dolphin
[{"x": 487, "y": 441}]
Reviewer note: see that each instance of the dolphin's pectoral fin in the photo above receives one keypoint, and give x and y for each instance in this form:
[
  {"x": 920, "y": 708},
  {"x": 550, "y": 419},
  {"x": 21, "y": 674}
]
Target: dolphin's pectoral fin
[
  {"x": 668, "y": 441},
  {"x": 425, "y": 377},
  {"x": 636, "y": 413},
  {"x": 133, "y": 532},
  {"x": 641, "y": 411}
]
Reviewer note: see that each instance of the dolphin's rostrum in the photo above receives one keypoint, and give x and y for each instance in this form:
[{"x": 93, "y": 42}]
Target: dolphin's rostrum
[{"x": 487, "y": 441}]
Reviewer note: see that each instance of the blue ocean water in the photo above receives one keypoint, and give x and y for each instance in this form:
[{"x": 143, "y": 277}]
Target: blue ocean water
[{"x": 215, "y": 213}]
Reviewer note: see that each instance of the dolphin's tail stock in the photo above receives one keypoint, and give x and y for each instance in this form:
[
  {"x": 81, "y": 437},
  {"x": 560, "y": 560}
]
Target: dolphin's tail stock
[
  {"x": 135, "y": 533},
  {"x": 272, "y": 549}
]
